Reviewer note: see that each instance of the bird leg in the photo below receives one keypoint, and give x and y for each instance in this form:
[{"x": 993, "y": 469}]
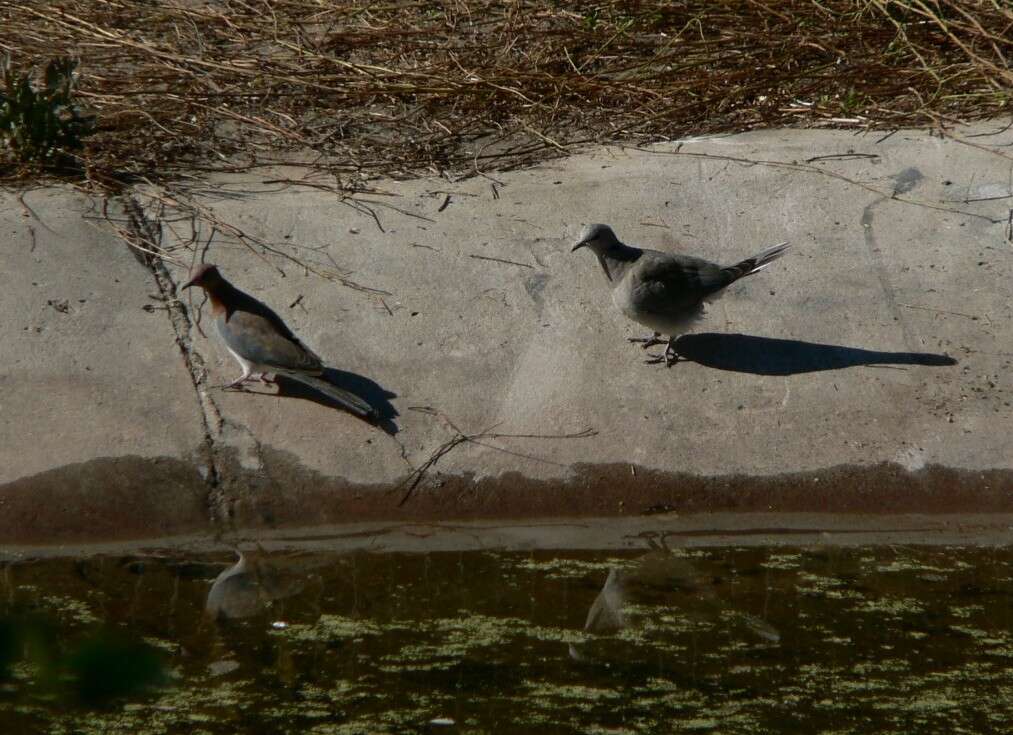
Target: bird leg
[
  {"x": 669, "y": 358},
  {"x": 647, "y": 341},
  {"x": 248, "y": 377},
  {"x": 238, "y": 382}
]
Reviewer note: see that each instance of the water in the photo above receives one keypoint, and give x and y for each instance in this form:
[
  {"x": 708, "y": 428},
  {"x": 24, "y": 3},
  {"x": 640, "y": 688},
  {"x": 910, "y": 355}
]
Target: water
[{"x": 726, "y": 640}]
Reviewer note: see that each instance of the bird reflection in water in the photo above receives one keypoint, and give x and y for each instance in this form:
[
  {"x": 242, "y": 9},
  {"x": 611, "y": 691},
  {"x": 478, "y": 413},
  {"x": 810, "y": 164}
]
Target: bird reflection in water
[
  {"x": 658, "y": 598},
  {"x": 252, "y": 585}
]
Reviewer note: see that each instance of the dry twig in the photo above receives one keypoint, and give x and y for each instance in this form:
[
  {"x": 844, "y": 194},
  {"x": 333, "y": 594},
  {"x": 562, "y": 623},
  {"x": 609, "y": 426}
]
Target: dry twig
[{"x": 416, "y": 477}]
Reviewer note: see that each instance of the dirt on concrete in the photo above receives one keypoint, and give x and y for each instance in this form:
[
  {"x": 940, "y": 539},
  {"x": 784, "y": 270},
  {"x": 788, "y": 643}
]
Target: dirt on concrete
[
  {"x": 123, "y": 498},
  {"x": 105, "y": 498}
]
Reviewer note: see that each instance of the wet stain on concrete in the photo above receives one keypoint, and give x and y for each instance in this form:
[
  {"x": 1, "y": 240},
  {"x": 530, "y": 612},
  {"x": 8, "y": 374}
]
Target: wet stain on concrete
[
  {"x": 535, "y": 286},
  {"x": 907, "y": 180},
  {"x": 107, "y": 498},
  {"x": 133, "y": 497}
]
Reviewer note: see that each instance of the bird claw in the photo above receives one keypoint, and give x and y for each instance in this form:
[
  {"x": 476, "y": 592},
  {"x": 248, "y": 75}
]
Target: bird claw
[
  {"x": 240, "y": 383},
  {"x": 646, "y": 342},
  {"x": 670, "y": 357},
  {"x": 237, "y": 384}
]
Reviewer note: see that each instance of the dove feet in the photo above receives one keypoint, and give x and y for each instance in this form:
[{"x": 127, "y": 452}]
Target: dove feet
[
  {"x": 670, "y": 357},
  {"x": 239, "y": 382},
  {"x": 646, "y": 342}
]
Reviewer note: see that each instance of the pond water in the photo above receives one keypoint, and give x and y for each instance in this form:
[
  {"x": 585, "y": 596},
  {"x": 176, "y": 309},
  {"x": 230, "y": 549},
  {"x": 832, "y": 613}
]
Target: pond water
[{"x": 712, "y": 640}]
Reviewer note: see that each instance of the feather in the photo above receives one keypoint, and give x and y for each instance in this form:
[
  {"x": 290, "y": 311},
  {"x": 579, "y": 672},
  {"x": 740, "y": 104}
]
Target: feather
[{"x": 349, "y": 401}]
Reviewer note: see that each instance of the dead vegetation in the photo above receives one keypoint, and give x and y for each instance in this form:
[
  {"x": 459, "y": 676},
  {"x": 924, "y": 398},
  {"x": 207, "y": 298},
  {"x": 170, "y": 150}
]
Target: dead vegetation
[{"x": 359, "y": 89}]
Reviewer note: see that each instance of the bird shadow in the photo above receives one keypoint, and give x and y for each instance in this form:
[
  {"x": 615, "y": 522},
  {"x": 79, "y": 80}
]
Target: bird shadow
[
  {"x": 744, "y": 353},
  {"x": 365, "y": 388}
]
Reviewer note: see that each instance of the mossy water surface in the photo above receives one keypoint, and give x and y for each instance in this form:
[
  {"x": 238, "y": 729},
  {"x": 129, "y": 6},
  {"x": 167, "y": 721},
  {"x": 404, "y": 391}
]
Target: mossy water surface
[{"x": 880, "y": 640}]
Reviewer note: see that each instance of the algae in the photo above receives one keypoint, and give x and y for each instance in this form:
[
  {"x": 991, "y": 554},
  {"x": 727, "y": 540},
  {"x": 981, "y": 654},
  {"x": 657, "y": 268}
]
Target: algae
[{"x": 739, "y": 641}]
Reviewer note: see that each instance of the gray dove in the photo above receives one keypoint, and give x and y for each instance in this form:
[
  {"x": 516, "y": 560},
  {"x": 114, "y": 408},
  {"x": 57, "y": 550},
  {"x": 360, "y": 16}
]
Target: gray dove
[
  {"x": 263, "y": 344},
  {"x": 664, "y": 291}
]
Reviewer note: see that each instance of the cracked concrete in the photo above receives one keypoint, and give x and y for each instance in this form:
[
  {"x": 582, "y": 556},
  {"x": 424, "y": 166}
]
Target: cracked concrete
[
  {"x": 231, "y": 460},
  {"x": 875, "y": 354},
  {"x": 142, "y": 231}
]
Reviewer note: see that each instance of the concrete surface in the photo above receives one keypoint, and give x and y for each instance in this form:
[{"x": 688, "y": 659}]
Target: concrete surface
[
  {"x": 875, "y": 355},
  {"x": 93, "y": 395}
]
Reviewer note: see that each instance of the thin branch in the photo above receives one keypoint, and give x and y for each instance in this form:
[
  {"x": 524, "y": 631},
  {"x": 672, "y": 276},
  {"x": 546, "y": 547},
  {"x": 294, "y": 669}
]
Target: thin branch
[{"x": 416, "y": 477}]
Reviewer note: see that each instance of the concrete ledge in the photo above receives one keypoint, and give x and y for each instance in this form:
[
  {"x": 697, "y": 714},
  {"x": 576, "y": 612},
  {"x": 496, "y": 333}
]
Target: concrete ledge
[
  {"x": 867, "y": 370},
  {"x": 812, "y": 531}
]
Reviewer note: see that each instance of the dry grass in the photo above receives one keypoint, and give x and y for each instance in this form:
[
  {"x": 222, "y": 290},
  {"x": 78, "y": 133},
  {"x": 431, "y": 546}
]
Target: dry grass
[{"x": 357, "y": 89}]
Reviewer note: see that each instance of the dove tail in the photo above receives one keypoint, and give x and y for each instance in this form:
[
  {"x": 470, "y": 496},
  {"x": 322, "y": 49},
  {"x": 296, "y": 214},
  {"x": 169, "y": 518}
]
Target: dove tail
[
  {"x": 349, "y": 401},
  {"x": 757, "y": 263}
]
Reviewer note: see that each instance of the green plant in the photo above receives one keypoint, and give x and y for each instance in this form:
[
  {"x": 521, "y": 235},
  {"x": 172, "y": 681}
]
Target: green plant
[
  {"x": 41, "y": 125},
  {"x": 853, "y": 101}
]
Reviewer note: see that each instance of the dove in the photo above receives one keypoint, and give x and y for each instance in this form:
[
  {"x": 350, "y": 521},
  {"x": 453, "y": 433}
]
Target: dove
[
  {"x": 664, "y": 291},
  {"x": 263, "y": 344}
]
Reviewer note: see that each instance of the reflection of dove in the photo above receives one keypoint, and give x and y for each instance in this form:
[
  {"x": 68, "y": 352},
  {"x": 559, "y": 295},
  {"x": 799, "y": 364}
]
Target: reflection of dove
[
  {"x": 248, "y": 587},
  {"x": 606, "y": 613},
  {"x": 658, "y": 582},
  {"x": 655, "y": 575}
]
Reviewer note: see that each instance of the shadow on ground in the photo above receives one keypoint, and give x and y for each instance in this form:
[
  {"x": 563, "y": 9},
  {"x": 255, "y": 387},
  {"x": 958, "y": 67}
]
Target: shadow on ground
[
  {"x": 743, "y": 353},
  {"x": 369, "y": 390}
]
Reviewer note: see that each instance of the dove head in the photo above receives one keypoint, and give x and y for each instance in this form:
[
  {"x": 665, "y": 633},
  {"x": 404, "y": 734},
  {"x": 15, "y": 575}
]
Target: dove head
[
  {"x": 599, "y": 238},
  {"x": 206, "y": 276}
]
